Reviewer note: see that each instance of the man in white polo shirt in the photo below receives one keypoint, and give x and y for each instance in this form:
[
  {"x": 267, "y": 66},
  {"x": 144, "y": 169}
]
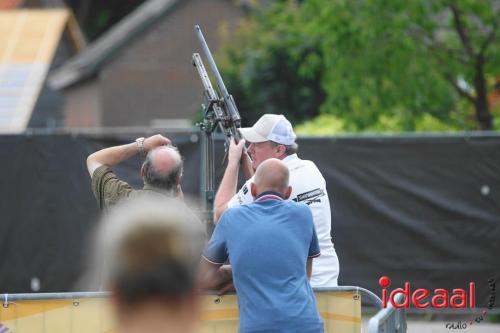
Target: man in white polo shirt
[{"x": 272, "y": 136}]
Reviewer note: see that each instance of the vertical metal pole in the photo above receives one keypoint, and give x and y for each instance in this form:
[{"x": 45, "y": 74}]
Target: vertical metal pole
[
  {"x": 207, "y": 175},
  {"x": 210, "y": 179}
]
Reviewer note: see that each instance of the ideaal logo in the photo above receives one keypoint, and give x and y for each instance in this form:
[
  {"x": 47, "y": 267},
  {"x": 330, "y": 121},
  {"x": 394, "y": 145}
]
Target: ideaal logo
[{"x": 440, "y": 298}]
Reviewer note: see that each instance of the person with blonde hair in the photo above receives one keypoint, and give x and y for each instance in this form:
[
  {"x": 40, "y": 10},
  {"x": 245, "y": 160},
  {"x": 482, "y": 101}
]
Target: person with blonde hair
[{"x": 148, "y": 253}]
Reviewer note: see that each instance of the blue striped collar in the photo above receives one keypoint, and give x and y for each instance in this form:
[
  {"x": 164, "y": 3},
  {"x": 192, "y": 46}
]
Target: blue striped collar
[{"x": 269, "y": 195}]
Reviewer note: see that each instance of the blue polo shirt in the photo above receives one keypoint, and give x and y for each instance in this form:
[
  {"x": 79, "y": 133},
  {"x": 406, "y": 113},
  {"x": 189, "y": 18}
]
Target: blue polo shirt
[{"x": 268, "y": 243}]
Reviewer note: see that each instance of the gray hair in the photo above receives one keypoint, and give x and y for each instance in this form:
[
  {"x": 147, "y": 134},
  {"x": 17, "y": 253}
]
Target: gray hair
[
  {"x": 289, "y": 149},
  {"x": 156, "y": 179}
]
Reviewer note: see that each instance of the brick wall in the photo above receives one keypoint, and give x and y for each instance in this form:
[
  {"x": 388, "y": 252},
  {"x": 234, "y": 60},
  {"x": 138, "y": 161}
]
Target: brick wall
[
  {"x": 83, "y": 105},
  {"x": 152, "y": 77}
]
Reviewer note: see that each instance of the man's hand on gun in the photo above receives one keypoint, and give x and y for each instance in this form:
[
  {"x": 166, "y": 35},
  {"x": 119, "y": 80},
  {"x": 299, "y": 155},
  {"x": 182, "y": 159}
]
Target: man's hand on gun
[
  {"x": 242, "y": 157},
  {"x": 236, "y": 151}
]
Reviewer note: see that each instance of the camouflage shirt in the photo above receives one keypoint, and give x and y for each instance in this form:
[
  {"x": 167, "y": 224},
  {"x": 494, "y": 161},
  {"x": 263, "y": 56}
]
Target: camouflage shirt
[{"x": 108, "y": 189}]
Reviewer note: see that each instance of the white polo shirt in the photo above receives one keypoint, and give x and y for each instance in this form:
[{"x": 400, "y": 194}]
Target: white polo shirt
[{"x": 308, "y": 186}]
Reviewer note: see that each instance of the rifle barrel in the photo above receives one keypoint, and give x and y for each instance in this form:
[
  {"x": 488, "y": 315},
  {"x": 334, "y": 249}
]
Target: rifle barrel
[
  {"x": 233, "y": 111},
  {"x": 211, "y": 60},
  {"x": 207, "y": 84}
]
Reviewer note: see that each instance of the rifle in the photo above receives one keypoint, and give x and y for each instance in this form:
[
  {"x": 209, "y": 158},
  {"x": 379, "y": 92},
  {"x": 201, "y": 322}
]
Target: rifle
[{"x": 219, "y": 110}]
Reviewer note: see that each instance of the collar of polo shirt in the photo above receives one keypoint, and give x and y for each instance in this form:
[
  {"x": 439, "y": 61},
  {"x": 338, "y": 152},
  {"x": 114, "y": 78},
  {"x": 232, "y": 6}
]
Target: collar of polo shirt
[{"x": 269, "y": 195}]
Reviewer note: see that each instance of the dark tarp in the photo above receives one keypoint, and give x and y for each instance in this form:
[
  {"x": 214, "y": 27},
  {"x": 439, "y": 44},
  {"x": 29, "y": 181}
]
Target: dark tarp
[
  {"x": 420, "y": 209},
  {"x": 47, "y": 209}
]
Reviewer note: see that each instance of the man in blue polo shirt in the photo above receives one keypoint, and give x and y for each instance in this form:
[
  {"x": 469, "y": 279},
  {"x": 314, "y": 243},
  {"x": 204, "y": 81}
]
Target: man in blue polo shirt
[{"x": 270, "y": 244}]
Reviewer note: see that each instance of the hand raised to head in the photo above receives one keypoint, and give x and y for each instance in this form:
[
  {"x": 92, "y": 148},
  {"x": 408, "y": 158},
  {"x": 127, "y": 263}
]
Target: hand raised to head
[{"x": 155, "y": 141}]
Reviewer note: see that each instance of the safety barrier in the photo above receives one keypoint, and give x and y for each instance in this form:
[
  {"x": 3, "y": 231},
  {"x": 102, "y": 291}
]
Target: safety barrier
[
  {"x": 389, "y": 320},
  {"x": 89, "y": 312}
]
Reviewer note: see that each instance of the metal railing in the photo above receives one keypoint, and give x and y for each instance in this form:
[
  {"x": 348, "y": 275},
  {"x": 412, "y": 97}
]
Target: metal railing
[
  {"x": 6, "y": 298},
  {"x": 389, "y": 320}
]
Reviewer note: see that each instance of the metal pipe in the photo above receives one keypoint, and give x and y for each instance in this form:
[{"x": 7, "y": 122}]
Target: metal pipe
[
  {"x": 389, "y": 319},
  {"x": 102, "y": 294}
]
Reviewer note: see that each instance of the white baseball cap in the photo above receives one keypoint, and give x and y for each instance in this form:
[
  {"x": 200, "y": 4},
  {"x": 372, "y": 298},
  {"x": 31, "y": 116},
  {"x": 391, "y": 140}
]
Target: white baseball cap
[{"x": 270, "y": 127}]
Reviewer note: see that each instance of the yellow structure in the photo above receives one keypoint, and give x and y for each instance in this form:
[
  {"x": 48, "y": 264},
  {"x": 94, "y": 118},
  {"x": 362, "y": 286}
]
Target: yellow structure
[
  {"x": 341, "y": 312},
  {"x": 28, "y": 41}
]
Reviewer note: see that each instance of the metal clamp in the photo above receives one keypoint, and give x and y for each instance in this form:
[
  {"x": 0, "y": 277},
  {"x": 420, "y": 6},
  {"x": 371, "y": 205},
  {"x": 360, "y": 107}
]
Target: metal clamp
[{"x": 6, "y": 301}]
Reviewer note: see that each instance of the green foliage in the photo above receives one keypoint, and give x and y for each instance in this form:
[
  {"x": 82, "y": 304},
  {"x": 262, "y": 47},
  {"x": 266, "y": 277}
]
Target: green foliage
[
  {"x": 496, "y": 123},
  {"x": 362, "y": 65},
  {"x": 322, "y": 125},
  {"x": 327, "y": 124}
]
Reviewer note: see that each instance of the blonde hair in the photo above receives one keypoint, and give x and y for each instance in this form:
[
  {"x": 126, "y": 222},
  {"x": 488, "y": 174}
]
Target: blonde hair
[{"x": 150, "y": 247}]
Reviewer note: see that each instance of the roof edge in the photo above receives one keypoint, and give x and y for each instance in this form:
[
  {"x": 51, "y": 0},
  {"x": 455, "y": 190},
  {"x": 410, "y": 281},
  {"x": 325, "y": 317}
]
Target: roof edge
[{"x": 90, "y": 60}]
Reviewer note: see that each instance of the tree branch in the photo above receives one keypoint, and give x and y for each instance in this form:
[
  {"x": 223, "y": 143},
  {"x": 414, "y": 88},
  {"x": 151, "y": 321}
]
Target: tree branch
[
  {"x": 460, "y": 90},
  {"x": 489, "y": 39},
  {"x": 428, "y": 40},
  {"x": 461, "y": 31}
]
